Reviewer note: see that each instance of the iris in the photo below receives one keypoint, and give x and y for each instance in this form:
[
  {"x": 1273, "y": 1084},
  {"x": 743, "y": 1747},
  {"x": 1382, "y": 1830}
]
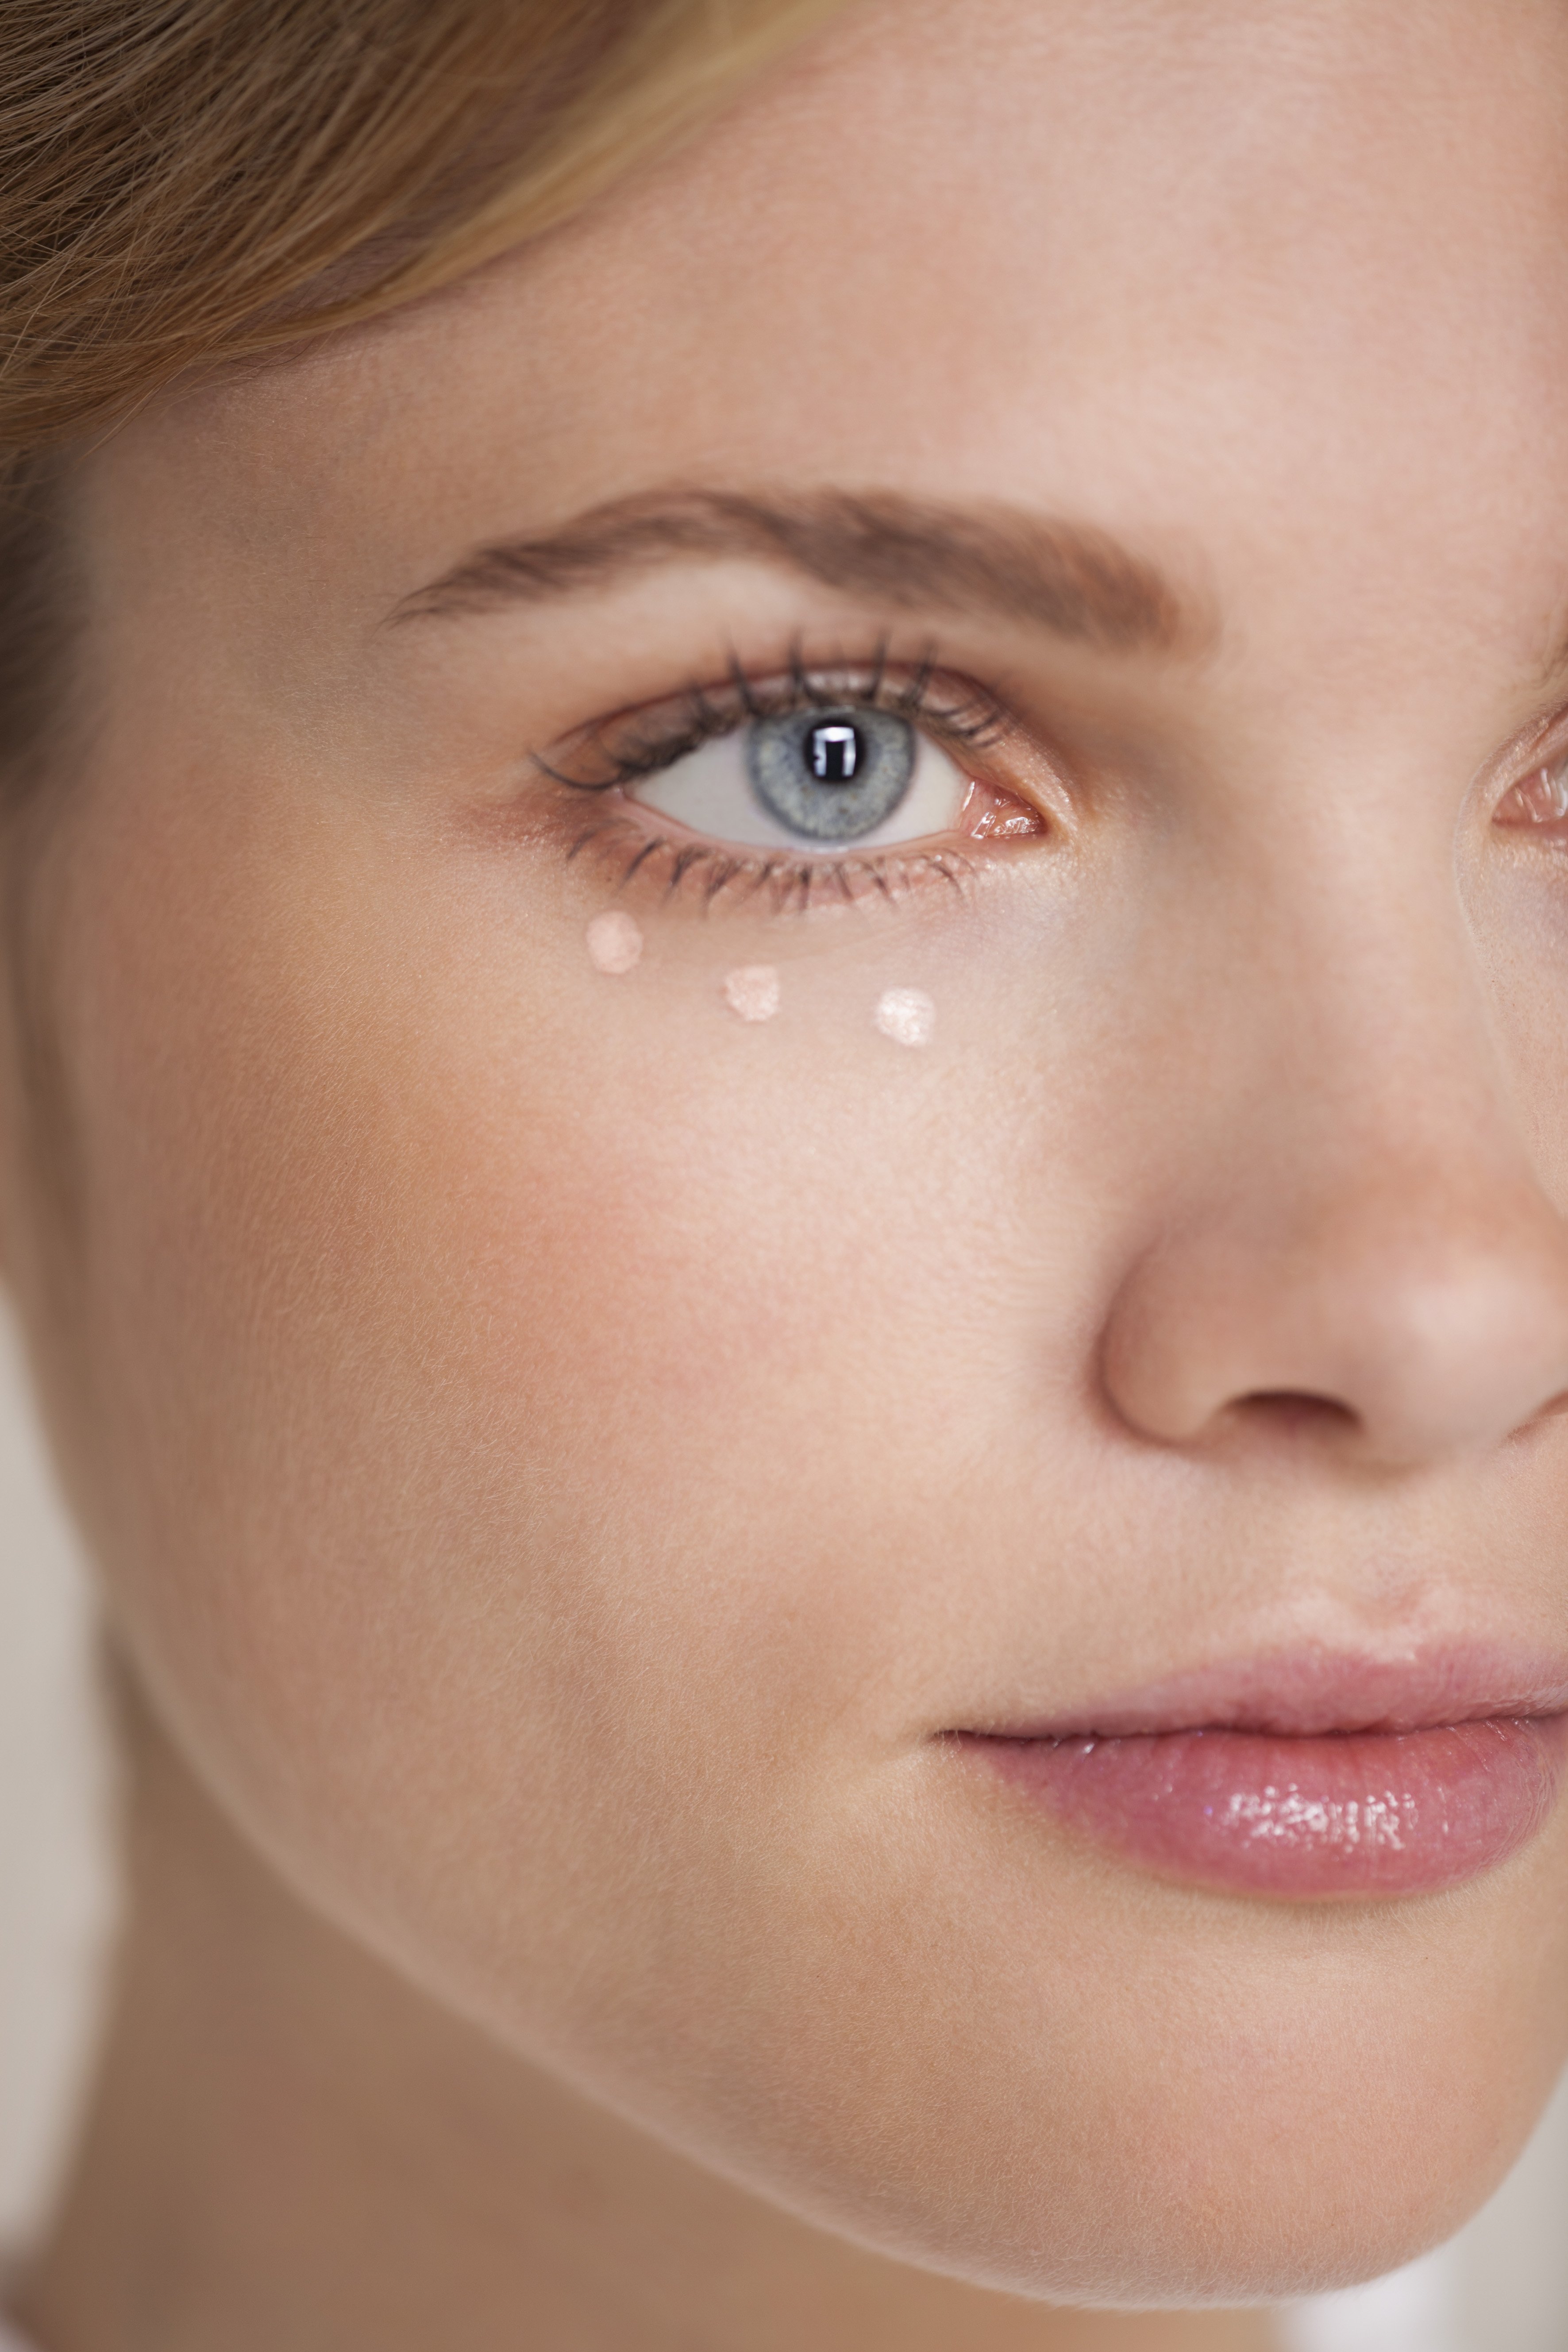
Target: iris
[{"x": 831, "y": 775}]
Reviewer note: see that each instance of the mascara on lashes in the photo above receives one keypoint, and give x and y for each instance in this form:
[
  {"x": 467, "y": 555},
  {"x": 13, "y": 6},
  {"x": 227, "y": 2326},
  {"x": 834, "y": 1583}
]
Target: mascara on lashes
[
  {"x": 630, "y": 746},
  {"x": 861, "y": 714}
]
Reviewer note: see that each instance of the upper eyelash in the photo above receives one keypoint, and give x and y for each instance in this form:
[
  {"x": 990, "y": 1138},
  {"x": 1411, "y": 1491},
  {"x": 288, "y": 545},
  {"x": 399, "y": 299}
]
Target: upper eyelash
[{"x": 977, "y": 721}]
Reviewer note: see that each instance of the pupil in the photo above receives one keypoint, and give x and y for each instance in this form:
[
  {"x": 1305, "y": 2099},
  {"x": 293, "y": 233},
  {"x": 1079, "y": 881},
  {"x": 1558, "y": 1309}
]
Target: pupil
[{"x": 833, "y": 752}]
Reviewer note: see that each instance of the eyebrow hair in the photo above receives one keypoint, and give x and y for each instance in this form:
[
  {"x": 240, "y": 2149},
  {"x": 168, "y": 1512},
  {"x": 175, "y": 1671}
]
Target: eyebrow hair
[{"x": 915, "y": 555}]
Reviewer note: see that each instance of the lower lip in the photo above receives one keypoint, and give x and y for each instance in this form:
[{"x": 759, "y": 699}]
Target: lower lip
[{"x": 1365, "y": 1814}]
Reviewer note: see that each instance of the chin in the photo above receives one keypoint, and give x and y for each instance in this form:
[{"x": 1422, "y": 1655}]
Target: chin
[
  {"x": 1135, "y": 2094},
  {"x": 1202, "y": 2208}
]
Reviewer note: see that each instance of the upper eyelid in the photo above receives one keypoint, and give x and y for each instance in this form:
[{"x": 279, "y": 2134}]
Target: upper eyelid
[{"x": 708, "y": 711}]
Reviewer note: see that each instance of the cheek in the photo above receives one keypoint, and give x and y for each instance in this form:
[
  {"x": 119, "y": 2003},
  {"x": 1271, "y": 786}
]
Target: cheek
[
  {"x": 499, "y": 1361},
  {"x": 494, "y": 1358},
  {"x": 539, "y": 1452}
]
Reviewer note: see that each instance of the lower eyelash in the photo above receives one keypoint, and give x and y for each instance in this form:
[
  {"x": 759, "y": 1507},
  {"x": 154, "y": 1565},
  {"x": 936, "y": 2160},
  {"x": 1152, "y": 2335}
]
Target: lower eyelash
[{"x": 786, "y": 882}]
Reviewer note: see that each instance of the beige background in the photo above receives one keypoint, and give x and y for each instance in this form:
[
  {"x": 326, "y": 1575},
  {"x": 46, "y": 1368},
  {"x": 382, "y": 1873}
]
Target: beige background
[{"x": 1500, "y": 2287}]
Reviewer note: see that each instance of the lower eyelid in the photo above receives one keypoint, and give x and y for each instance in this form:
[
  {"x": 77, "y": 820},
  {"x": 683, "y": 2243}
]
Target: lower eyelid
[
  {"x": 624, "y": 842},
  {"x": 714, "y": 873}
]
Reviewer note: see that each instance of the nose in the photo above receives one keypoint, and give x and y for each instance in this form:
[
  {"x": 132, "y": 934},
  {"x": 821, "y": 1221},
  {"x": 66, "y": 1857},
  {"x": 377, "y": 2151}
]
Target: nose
[{"x": 1357, "y": 1243}]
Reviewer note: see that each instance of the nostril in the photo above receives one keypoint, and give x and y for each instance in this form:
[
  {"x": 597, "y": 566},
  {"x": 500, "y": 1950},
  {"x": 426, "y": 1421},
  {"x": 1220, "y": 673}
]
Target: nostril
[
  {"x": 1294, "y": 1412},
  {"x": 1380, "y": 1327}
]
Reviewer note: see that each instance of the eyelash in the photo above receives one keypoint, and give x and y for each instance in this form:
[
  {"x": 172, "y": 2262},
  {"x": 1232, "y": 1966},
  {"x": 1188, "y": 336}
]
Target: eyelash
[{"x": 972, "y": 721}]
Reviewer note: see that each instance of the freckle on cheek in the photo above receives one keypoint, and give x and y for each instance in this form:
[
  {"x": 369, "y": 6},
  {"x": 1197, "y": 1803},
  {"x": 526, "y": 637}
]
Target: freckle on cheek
[
  {"x": 907, "y": 1015},
  {"x": 752, "y": 991},
  {"x": 614, "y": 942}
]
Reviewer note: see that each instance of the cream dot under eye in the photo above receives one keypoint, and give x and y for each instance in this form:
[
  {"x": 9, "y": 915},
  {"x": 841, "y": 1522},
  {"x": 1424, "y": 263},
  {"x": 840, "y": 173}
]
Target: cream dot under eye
[
  {"x": 752, "y": 991},
  {"x": 614, "y": 942},
  {"x": 907, "y": 1015}
]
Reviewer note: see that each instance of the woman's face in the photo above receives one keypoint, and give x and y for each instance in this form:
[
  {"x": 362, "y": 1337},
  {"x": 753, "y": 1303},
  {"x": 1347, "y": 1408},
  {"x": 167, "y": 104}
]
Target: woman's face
[{"x": 570, "y": 1459}]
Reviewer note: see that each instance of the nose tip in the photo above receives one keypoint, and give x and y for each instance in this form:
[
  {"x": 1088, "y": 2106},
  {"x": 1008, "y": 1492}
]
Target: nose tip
[{"x": 1398, "y": 1337}]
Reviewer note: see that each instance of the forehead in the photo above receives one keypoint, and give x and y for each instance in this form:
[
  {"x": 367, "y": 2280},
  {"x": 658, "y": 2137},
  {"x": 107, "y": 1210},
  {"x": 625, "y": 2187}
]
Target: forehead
[{"x": 1223, "y": 277}]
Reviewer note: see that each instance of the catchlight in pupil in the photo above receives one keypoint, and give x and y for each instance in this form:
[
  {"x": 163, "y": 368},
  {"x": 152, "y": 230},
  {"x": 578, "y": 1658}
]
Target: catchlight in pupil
[
  {"x": 836, "y": 777},
  {"x": 833, "y": 752},
  {"x": 833, "y": 775}
]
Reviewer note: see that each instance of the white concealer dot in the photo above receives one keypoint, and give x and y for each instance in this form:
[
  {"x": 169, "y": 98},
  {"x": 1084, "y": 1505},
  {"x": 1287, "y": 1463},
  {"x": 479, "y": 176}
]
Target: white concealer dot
[
  {"x": 614, "y": 942},
  {"x": 907, "y": 1015},
  {"x": 752, "y": 990}
]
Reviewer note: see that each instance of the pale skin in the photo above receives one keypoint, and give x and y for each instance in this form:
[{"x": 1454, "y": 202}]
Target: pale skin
[{"x": 560, "y": 1456}]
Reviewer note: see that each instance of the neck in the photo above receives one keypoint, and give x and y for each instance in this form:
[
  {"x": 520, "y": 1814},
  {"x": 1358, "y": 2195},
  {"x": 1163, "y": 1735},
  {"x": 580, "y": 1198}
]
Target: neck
[{"x": 289, "y": 2144}]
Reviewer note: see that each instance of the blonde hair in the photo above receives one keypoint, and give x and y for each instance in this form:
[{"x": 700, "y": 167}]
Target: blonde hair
[
  {"x": 190, "y": 181},
  {"x": 186, "y": 182}
]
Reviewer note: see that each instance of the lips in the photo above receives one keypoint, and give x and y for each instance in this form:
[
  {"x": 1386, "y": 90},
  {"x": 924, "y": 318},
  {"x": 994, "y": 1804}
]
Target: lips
[{"x": 1208, "y": 1780}]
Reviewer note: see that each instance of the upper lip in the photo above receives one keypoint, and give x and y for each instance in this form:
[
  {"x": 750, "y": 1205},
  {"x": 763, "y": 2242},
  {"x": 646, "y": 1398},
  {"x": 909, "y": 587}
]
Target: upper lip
[{"x": 1305, "y": 1691}]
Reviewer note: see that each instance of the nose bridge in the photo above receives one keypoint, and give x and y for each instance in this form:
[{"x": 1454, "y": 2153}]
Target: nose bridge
[
  {"x": 1354, "y": 1216},
  {"x": 1379, "y": 1053},
  {"x": 1345, "y": 948}
]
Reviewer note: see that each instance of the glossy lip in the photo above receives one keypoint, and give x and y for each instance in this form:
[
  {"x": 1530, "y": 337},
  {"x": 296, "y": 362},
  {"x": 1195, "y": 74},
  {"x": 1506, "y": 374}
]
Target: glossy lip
[{"x": 1309, "y": 1774}]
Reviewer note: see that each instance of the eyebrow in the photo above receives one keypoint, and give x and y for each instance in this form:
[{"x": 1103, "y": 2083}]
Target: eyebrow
[{"x": 990, "y": 559}]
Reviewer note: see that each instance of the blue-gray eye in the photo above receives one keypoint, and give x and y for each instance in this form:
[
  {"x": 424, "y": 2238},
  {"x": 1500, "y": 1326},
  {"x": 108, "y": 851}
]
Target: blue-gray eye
[
  {"x": 841, "y": 781},
  {"x": 831, "y": 775}
]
